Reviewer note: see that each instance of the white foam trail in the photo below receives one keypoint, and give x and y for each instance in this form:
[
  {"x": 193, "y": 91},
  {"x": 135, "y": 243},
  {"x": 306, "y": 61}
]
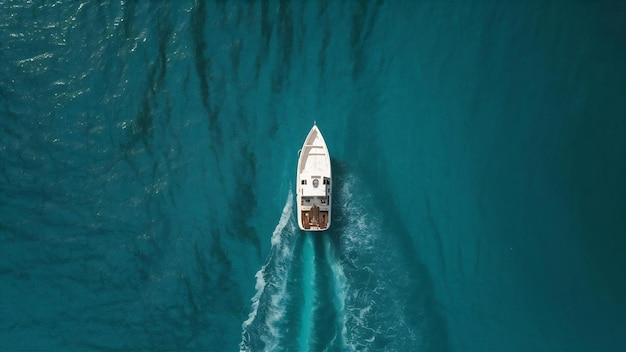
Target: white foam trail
[
  {"x": 308, "y": 275},
  {"x": 270, "y": 289},
  {"x": 369, "y": 283},
  {"x": 340, "y": 290},
  {"x": 369, "y": 278},
  {"x": 357, "y": 241}
]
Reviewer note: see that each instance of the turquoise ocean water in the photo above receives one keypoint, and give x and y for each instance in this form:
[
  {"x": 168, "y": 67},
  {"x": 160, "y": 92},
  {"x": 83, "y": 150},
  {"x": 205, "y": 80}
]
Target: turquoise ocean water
[{"x": 147, "y": 164}]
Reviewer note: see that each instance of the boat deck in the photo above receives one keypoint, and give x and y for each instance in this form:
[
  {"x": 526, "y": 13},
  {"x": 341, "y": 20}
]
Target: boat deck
[
  {"x": 314, "y": 183},
  {"x": 314, "y": 219}
]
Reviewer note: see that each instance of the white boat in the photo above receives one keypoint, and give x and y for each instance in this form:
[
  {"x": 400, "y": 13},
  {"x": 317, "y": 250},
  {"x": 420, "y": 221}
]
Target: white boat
[{"x": 313, "y": 182}]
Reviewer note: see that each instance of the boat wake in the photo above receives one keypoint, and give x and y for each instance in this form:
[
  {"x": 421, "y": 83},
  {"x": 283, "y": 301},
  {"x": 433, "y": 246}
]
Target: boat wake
[
  {"x": 343, "y": 290},
  {"x": 374, "y": 284},
  {"x": 261, "y": 331}
]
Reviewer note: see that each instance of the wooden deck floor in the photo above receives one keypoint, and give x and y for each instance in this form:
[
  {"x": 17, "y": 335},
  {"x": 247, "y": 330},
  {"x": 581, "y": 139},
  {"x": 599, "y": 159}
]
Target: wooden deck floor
[{"x": 315, "y": 219}]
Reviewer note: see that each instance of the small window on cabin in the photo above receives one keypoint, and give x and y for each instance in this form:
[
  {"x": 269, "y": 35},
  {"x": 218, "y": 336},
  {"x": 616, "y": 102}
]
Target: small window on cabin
[
  {"x": 316, "y": 182},
  {"x": 303, "y": 182}
]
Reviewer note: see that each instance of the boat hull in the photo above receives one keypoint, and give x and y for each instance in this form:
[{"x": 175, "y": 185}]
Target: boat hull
[{"x": 313, "y": 183}]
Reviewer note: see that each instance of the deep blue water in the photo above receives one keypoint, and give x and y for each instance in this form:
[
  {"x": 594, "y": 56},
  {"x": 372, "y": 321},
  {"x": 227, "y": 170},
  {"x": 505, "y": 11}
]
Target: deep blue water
[{"x": 148, "y": 153}]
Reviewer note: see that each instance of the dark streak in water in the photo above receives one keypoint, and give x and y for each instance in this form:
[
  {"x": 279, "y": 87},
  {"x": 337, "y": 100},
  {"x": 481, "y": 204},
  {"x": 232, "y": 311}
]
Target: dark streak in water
[
  {"x": 285, "y": 35},
  {"x": 359, "y": 10},
  {"x": 363, "y": 21},
  {"x": 205, "y": 305},
  {"x": 235, "y": 57},
  {"x": 321, "y": 57},
  {"x": 143, "y": 127},
  {"x": 204, "y": 69},
  {"x": 129, "y": 12},
  {"x": 266, "y": 27},
  {"x": 164, "y": 28},
  {"x": 203, "y": 65},
  {"x": 245, "y": 197}
]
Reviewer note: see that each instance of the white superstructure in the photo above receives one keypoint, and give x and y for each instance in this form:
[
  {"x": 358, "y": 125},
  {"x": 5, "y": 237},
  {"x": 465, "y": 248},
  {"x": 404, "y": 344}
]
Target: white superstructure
[{"x": 313, "y": 183}]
